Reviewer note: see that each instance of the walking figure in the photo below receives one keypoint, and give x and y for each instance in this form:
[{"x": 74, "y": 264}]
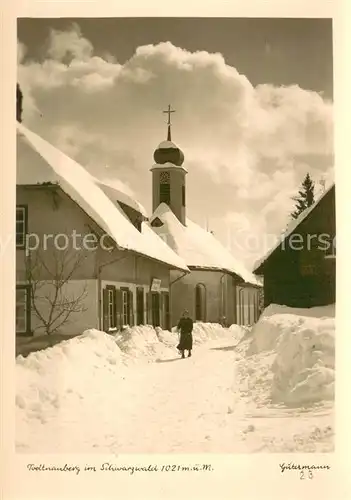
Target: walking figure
[{"x": 185, "y": 326}]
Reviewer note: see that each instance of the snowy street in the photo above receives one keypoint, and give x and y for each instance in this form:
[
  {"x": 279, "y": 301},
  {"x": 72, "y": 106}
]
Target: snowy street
[{"x": 134, "y": 394}]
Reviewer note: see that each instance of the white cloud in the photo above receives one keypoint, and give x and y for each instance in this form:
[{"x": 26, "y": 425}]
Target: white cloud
[
  {"x": 21, "y": 52},
  {"x": 69, "y": 43},
  {"x": 255, "y": 143}
]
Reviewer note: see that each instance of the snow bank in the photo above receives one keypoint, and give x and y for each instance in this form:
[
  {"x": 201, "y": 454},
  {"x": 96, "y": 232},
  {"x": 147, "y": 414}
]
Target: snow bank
[
  {"x": 202, "y": 333},
  {"x": 291, "y": 352},
  {"x": 46, "y": 379},
  {"x": 143, "y": 343},
  {"x": 58, "y": 377},
  {"x": 168, "y": 338},
  {"x": 205, "y": 332}
]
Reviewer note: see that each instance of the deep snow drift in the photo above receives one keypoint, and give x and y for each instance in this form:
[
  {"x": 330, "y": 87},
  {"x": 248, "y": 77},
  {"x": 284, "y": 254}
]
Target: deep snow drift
[
  {"x": 130, "y": 392},
  {"x": 294, "y": 349}
]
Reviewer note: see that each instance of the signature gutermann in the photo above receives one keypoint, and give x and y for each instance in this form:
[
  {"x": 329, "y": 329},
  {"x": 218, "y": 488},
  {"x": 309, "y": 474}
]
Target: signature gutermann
[{"x": 292, "y": 466}]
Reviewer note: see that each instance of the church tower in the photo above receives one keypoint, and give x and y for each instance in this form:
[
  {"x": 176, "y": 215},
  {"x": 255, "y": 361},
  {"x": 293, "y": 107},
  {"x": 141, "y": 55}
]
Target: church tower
[{"x": 168, "y": 175}]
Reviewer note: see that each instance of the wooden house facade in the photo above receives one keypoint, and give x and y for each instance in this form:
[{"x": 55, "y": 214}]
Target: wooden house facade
[{"x": 301, "y": 270}]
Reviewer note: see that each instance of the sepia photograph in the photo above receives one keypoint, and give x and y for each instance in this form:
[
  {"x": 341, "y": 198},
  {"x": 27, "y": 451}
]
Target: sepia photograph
[{"x": 175, "y": 236}]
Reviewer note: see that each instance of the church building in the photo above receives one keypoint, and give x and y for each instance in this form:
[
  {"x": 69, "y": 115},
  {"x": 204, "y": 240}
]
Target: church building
[
  {"x": 127, "y": 268},
  {"x": 218, "y": 288}
]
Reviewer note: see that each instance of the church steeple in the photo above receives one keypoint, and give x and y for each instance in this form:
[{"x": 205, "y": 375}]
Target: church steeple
[
  {"x": 167, "y": 151},
  {"x": 169, "y": 137},
  {"x": 168, "y": 174}
]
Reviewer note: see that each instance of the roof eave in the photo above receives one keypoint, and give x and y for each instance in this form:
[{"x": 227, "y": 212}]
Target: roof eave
[
  {"x": 303, "y": 217},
  {"x": 167, "y": 264},
  {"x": 227, "y": 271}
]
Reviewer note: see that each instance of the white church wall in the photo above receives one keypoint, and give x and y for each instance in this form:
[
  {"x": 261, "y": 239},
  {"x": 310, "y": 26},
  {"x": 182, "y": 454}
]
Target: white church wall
[{"x": 183, "y": 295}]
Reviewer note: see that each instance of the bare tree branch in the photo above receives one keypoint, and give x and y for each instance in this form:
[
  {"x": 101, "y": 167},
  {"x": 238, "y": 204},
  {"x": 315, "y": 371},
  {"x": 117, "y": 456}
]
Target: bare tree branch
[{"x": 55, "y": 308}]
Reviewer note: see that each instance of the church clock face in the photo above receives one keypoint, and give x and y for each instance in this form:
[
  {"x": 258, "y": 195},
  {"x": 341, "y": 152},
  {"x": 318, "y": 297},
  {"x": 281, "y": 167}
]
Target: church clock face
[{"x": 164, "y": 177}]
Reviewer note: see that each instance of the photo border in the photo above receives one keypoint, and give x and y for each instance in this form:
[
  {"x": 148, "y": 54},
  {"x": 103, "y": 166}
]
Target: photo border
[{"x": 239, "y": 476}]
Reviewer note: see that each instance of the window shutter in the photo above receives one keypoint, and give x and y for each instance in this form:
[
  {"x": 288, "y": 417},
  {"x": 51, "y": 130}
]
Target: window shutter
[
  {"x": 29, "y": 308},
  {"x": 114, "y": 307},
  {"x": 162, "y": 311},
  {"x": 119, "y": 316},
  {"x": 149, "y": 308},
  {"x": 105, "y": 309},
  {"x": 130, "y": 308}
]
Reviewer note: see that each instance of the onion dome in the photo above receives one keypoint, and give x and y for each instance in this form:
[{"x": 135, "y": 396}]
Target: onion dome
[{"x": 168, "y": 152}]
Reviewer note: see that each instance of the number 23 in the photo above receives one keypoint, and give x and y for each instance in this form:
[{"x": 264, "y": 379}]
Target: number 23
[{"x": 302, "y": 475}]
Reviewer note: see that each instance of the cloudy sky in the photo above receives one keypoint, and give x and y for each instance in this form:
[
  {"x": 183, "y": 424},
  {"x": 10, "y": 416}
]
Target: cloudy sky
[{"x": 253, "y": 100}]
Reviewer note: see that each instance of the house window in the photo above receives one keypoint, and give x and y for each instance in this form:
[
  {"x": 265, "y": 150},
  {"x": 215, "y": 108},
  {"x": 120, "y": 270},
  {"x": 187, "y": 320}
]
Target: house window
[
  {"x": 21, "y": 226},
  {"x": 157, "y": 222},
  {"x": 127, "y": 307},
  {"x": 165, "y": 193},
  {"x": 23, "y": 309},
  {"x": 183, "y": 195},
  {"x": 135, "y": 217}
]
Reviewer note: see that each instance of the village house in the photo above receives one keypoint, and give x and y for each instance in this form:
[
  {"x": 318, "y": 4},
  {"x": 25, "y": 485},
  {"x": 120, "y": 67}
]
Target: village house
[
  {"x": 299, "y": 271},
  {"x": 86, "y": 256},
  {"x": 219, "y": 288}
]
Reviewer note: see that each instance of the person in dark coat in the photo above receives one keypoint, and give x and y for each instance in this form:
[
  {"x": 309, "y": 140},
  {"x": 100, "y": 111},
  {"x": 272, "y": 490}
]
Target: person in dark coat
[{"x": 185, "y": 326}]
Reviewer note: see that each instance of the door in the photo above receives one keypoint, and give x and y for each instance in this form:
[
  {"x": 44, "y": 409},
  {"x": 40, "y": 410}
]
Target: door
[
  {"x": 200, "y": 302},
  {"x": 140, "y": 305},
  {"x": 165, "y": 323},
  {"x": 155, "y": 305}
]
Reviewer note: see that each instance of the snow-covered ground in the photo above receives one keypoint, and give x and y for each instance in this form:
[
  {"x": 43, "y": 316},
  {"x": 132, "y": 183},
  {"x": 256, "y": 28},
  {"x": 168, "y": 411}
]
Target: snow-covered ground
[{"x": 265, "y": 389}]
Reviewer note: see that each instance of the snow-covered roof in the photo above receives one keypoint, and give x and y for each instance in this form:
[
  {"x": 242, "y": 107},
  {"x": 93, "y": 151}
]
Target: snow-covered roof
[
  {"x": 39, "y": 162},
  {"x": 167, "y": 145},
  {"x": 197, "y": 247},
  {"x": 117, "y": 195},
  {"x": 291, "y": 227},
  {"x": 167, "y": 164}
]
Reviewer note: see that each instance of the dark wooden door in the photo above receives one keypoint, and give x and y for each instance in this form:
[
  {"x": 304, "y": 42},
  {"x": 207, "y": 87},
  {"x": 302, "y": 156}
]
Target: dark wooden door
[
  {"x": 166, "y": 319},
  {"x": 155, "y": 304},
  {"x": 200, "y": 302},
  {"x": 140, "y": 306}
]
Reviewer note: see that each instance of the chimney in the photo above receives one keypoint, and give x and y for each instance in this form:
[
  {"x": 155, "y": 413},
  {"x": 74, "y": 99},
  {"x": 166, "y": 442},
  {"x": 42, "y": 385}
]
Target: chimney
[{"x": 19, "y": 99}]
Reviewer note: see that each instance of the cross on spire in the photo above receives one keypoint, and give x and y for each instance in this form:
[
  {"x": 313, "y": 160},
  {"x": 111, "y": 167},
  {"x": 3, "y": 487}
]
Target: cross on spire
[{"x": 169, "y": 111}]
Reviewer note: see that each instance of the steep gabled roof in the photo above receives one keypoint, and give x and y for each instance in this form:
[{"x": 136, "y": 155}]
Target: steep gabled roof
[
  {"x": 196, "y": 246},
  {"x": 39, "y": 162},
  {"x": 292, "y": 227}
]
